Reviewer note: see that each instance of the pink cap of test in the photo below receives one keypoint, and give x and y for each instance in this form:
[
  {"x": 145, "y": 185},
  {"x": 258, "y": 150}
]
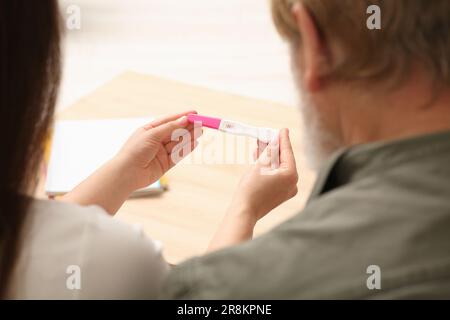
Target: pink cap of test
[{"x": 208, "y": 122}]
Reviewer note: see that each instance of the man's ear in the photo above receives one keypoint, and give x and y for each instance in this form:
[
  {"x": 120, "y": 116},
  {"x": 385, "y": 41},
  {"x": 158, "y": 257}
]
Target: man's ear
[{"x": 316, "y": 60}]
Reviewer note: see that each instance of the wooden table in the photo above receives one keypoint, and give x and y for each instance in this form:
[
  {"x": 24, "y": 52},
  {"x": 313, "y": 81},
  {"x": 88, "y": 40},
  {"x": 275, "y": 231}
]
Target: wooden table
[{"x": 185, "y": 217}]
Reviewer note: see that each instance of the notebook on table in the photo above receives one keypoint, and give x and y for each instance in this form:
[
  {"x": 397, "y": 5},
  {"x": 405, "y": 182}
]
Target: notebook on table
[{"x": 79, "y": 147}]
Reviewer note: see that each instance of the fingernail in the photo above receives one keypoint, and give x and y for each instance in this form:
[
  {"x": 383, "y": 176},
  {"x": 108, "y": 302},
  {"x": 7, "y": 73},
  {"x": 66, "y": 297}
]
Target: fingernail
[
  {"x": 182, "y": 120},
  {"x": 296, "y": 7}
]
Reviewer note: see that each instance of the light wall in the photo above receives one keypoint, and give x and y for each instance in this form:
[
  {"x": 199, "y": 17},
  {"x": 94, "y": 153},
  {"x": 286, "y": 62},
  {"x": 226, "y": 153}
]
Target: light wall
[{"x": 230, "y": 45}]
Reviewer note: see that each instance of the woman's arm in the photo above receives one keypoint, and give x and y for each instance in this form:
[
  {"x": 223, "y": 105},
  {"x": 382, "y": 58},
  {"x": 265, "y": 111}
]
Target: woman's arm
[
  {"x": 144, "y": 158},
  {"x": 107, "y": 187},
  {"x": 269, "y": 183}
]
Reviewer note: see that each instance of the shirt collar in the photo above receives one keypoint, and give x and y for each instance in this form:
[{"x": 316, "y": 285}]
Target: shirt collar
[{"x": 364, "y": 160}]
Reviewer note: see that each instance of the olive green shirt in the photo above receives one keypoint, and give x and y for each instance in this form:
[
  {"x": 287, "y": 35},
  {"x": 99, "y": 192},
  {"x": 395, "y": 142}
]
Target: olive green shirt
[{"x": 377, "y": 226}]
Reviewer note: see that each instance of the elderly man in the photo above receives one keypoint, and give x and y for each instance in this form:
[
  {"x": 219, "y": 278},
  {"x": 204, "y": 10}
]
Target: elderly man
[{"x": 376, "y": 105}]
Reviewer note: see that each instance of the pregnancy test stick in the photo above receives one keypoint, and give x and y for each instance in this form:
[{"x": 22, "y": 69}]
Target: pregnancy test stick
[{"x": 265, "y": 135}]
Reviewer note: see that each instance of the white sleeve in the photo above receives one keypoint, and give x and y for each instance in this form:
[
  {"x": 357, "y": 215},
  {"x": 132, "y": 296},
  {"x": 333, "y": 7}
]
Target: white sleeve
[{"x": 120, "y": 262}]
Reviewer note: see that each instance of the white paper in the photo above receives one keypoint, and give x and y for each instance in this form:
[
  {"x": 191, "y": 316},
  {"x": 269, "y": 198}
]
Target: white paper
[{"x": 81, "y": 147}]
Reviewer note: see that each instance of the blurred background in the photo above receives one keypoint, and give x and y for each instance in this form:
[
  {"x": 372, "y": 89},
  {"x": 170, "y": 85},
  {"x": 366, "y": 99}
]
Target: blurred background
[{"x": 227, "y": 45}]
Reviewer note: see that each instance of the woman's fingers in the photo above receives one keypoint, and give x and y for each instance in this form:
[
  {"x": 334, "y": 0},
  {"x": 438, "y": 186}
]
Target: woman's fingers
[
  {"x": 190, "y": 135},
  {"x": 157, "y": 122},
  {"x": 163, "y": 160},
  {"x": 165, "y": 131},
  {"x": 180, "y": 152}
]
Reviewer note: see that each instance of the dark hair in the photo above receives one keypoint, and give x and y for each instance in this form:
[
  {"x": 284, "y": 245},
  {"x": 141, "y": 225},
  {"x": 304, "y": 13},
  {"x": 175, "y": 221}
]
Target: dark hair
[{"x": 29, "y": 79}]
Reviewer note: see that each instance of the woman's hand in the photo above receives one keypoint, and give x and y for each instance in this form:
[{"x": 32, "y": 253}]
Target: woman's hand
[
  {"x": 145, "y": 157},
  {"x": 270, "y": 182},
  {"x": 150, "y": 152}
]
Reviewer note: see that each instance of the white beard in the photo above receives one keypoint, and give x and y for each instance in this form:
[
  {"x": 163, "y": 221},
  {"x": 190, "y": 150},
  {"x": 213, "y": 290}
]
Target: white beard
[{"x": 319, "y": 142}]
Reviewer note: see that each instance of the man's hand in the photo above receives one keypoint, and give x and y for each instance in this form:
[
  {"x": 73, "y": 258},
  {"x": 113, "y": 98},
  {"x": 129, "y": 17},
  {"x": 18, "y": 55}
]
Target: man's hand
[{"x": 270, "y": 182}]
